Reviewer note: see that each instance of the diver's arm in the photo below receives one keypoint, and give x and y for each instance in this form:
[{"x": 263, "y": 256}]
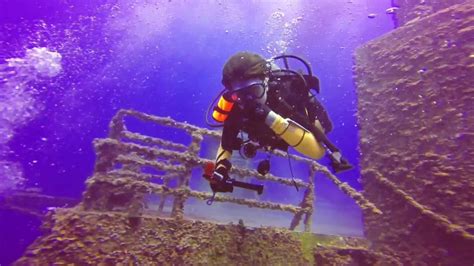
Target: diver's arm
[
  {"x": 228, "y": 143},
  {"x": 295, "y": 135},
  {"x": 222, "y": 154}
]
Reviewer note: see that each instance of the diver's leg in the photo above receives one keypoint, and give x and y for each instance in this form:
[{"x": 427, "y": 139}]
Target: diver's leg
[
  {"x": 316, "y": 110},
  {"x": 307, "y": 141}
]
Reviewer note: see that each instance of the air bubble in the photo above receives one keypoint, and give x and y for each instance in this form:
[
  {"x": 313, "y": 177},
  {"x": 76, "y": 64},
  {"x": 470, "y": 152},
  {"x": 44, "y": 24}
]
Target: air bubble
[
  {"x": 391, "y": 10},
  {"x": 421, "y": 71}
]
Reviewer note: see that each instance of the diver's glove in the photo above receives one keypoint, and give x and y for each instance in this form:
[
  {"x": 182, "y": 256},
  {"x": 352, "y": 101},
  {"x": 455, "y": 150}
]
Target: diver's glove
[
  {"x": 220, "y": 181},
  {"x": 219, "y": 177}
]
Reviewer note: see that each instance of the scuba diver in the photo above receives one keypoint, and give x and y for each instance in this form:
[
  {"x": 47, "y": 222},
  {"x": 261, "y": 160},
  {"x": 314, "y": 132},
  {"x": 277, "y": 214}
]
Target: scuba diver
[{"x": 276, "y": 108}]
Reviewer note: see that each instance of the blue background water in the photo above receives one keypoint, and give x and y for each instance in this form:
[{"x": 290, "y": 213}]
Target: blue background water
[{"x": 165, "y": 58}]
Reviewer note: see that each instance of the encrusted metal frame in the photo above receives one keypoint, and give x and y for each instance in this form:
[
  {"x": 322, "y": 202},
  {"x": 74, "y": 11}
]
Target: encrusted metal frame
[{"x": 128, "y": 185}]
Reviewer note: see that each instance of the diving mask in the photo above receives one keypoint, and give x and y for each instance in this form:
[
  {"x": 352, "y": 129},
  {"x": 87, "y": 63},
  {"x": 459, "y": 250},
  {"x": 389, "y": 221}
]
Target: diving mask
[{"x": 251, "y": 89}]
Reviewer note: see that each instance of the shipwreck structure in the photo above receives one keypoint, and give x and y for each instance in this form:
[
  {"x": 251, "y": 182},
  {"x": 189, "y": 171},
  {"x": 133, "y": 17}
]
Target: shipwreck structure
[
  {"x": 127, "y": 185},
  {"x": 102, "y": 227},
  {"x": 415, "y": 90}
]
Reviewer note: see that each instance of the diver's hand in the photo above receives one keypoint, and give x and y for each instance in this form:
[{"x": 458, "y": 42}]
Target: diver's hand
[
  {"x": 219, "y": 175},
  {"x": 213, "y": 174},
  {"x": 220, "y": 181}
]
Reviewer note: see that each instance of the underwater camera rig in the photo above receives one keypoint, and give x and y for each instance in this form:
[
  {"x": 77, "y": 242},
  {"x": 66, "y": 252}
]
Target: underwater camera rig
[{"x": 223, "y": 184}]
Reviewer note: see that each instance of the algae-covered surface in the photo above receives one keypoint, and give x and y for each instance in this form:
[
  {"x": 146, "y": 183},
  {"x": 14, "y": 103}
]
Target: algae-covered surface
[{"x": 85, "y": 237}]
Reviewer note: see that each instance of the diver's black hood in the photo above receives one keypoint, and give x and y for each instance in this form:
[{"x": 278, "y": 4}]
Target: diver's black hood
[{"x": 242, "y": 66}]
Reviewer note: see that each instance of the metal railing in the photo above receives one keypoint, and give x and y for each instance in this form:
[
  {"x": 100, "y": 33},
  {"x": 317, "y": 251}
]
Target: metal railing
[{"x": 118, "y": 179}]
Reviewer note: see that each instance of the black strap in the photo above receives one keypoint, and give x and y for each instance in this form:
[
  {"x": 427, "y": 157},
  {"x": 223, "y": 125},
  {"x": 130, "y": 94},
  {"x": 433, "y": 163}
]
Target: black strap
[
  {"x": 280, "y": 134},
  {"x": 301, "y": 140},
  {"x": 216, "y": 108},
  {"x": 225, "y": 163},
  {"x": 291, "y": 170},
  {"x": 219, "y": 156}
]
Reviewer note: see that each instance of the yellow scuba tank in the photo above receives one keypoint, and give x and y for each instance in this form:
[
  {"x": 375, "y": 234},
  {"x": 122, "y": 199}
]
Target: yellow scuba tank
[
  {"x": 295, "y": 135},
  {"x": 223, "y": 108}
]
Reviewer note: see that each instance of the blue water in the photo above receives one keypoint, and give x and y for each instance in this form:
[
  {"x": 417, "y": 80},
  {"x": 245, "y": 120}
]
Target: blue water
[{"x": 163, "y": 58}]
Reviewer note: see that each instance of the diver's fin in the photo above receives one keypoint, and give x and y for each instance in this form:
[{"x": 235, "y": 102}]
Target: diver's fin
[
  {"x": 341, "y": 166},
  {"x": 338, "y": 163}
]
